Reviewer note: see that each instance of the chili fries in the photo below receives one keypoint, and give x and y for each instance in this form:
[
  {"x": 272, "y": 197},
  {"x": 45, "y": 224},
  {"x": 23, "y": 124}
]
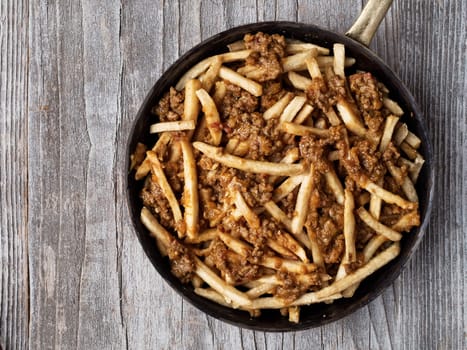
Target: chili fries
[{"x": 277, "y": 179}]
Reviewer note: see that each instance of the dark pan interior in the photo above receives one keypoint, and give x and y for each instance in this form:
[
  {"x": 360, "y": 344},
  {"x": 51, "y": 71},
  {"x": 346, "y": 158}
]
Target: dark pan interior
[{"x": 315, "y": 315}]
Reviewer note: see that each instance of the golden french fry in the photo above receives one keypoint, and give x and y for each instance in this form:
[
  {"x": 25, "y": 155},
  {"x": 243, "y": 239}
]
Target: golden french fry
[
  {"x": 212, "y": 116},
  {"x": 190, "y": 194},
  {"x": 179, "y": 125},
  {"x": 381, "y": 229},
  {"x": 248, "y": 165},
  {"x": 247, "y": 84},
  {"x": 276, "y": 109}
]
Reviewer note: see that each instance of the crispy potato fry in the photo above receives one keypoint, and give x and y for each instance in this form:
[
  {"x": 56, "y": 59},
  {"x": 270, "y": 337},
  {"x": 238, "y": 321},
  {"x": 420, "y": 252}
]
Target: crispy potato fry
[
  {"x": 249, "y": 215},
  {"x": 298, "y": 81},
  {"x": 248, "y": 165},
  {"x": 339, "y": 60},
  {"x": 313, "y": 67},
  {"x": 292, "y": 109},
  {"x": 389, "y": 126},
  {"x": 400, "y": 134},
  {"x": 207, "y": 235},
  {"x": 207, "y": 79},
  {"x": 358, "y": 275},
  {"x": 304, "y": 114},
  {"x": 293, "y": 48},
  {"x": 409, "y": 151},
  {"x": 335, "y": 185},
  {"x": 236, "y": 46},
  {"x": 203, "y": 65},
  {"x": 286, "y": 187},
  {"x": 160, "y": 147},
  {"x": 393, "y": 106},
  {"x": 155, "y": 228},
  {"x": 190, "y": 194},
  {"x": 297, "y": 62},
  {"x": 218, "y": 284},
  {"x": 191, "y": 103},
  {"x": 212, "y": 116},
  {"x": 403, "y": 181},
  {"x": 276, "y": 109},
  {"x": 350, "y": 254},
  {"x": 413, "y": 140},
  {"x": 247, "y": 84},
  {"x": 350, "y": 118},
  {"x": 278, "y": 214},
  {"x": 301, "y": 130},
  {"x": 381, "y": 229},
  {"x": 387, "y": 196},
  {"x": 303, "y": 199},
  {"x": 179, "y": 125},
  {"x": 376, "y": 203}
]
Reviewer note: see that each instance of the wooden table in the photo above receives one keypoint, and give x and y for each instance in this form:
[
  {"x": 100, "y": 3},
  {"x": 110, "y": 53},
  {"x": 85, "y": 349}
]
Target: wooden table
[{"x": 73, "y": 274}]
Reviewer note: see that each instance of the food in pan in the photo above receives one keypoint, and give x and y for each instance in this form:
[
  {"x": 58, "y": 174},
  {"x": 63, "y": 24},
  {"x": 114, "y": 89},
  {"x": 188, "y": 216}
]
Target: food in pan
[{"x": 277, "y": 180}]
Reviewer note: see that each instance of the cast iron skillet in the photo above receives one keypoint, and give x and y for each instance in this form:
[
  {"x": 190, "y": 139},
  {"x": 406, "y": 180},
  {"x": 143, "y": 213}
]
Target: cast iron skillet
[{"x": 370, "y": 288}]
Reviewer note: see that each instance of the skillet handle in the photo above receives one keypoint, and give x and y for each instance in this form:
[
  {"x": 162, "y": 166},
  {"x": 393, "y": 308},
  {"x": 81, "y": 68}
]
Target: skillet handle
[{"x": 368, "y": 22}]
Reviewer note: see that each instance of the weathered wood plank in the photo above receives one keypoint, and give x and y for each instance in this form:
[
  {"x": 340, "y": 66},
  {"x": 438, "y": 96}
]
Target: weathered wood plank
[
  {"x": 13, "y": 174},
  {"x": 75, "y": 74}
]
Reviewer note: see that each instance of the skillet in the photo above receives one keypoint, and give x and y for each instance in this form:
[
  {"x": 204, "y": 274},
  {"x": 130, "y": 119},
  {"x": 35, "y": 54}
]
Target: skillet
[{"x": 356, "y": 41}]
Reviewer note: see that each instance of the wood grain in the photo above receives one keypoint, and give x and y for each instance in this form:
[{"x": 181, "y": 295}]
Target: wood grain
[{"x": 72, "y": 77}]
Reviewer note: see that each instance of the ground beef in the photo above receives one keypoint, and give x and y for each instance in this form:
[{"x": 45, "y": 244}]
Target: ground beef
[
  {"x": 170, "y": 106},
  {"x": 237, "y": 269},
  {"x": 181, "y": 262},
  {"x": 267, "y": 52},
  {"x": 153, "y": 198},
  {"x": 369, "y": 99}
]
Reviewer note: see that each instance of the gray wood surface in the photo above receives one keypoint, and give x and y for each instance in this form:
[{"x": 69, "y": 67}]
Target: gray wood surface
[{"x": 72, "y": 273}]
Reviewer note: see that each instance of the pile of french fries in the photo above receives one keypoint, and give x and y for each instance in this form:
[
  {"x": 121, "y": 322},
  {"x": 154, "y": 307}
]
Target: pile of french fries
[{"x": 298, "y": 251}]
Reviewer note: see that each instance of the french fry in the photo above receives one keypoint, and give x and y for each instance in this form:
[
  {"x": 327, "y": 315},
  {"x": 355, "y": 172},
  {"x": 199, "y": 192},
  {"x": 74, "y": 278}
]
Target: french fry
[
  {"x": 339, "y": 60},
  {"x": 409, "y": 151},
  {"x": 389, "y": 126},
  {"x": 249, "y": 215},
  {"x": 203, "y": 65},
  {"x": 207, "y": 235},
  {"x": 376, "y": 202},
  {"x": 207, "y": 79},
  {"x": 218, "y": 284},
  {"x": 276, "y": 109},
  {"x": 387, "y": 196},
  {"x": 350, "y": 118},
  {"x": 358, "y": 275},
  {"x": 277, "y": 213},
  {"x": 164, "y": 185},
  {"x": 236, "y": 46},
  {"x": 313, "y": 68},
  {"x": 304, "y": 114},
  {"x": 404, "y": 181},
  {"x": 301, "y": 130},
  {"x": 286, "y": 187},
  {"x": 212, "y": 116},
  {"x": 381, "y": 229},
  {"x": 400, "y": 134},
  {"x": 248, "y": 165},
  {"x": 190, "y": 194},
  {"x": 393, "y": 106},
  {"x": 297, "y": 62},
  {"x": 247, "y": 84},
  {"x": 335, "y": 185},
  {"x": 191, "y": 103},
  {"x": 413, "y": 140},
  {"x": 179, "y": 125},
  {"x": 299, "y": 81},
  {"x": 303, "y": 199},
  {"x": 292, "y": 109},
  {"x": 293, "y": 48},
  {"x": 350, "y": 253}
]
